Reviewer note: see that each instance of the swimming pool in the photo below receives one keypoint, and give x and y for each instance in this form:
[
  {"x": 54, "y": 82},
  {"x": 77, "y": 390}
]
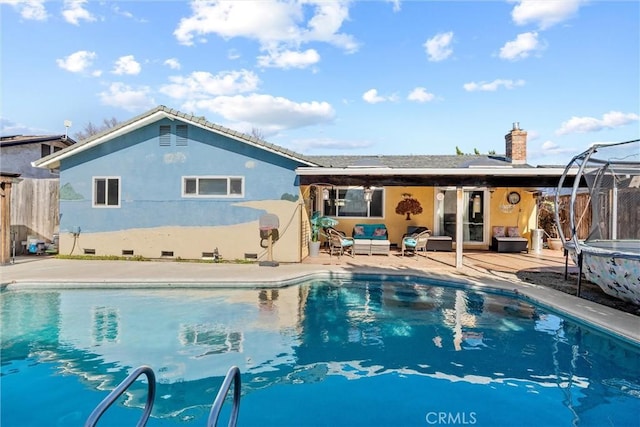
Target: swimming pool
[{"x": 362, "y": 351}]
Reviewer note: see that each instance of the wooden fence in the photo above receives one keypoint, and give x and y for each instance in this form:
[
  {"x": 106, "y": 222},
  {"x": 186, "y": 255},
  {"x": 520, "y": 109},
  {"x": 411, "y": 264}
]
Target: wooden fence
[
  {"x": 34, "y": 210},
  {"x": 582, "y": 210}
]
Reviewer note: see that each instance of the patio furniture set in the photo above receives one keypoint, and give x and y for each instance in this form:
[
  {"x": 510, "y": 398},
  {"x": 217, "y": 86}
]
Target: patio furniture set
[{"x": 373, "y": 239}]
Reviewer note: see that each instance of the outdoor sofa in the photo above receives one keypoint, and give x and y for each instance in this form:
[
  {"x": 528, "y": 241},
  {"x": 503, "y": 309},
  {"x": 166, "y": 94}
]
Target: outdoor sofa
[
  {"x": 508, "y": 239},
  {"x": 371, "y": 239}
]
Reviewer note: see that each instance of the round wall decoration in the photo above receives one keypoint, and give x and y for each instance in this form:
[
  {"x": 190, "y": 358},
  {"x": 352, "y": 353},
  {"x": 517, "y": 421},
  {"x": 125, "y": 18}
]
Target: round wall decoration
[{"x": 513, "y": 197}]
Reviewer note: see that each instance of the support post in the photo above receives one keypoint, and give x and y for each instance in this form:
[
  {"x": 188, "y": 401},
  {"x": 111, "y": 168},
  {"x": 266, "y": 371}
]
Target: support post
[
  {"x": 579, "y": 273},
  {"x": 5, "y": 221},
  {"x": 459, "y": 227}
]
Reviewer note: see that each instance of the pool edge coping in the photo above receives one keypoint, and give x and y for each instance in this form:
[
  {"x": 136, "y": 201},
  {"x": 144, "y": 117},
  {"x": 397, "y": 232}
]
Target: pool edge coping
[{"x": 622, "y": 325}]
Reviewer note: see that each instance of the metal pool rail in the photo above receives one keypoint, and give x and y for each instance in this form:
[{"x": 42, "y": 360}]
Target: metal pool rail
[{"x": 233, "y": 375}]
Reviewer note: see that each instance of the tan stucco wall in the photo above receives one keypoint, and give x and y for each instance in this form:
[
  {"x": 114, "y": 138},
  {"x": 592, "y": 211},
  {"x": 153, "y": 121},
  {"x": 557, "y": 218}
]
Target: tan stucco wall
[
  {"x": 523, "y": 214},
  {"x": 190, "y": 242},
  {"x": 397, "y": 224},
  {"x": 233, "y": 242}
]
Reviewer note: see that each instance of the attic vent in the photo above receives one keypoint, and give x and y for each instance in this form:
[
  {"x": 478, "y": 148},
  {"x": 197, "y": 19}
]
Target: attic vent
[
  {"x": 181, "y": 135},
  {"x": 165, "y": 136}
]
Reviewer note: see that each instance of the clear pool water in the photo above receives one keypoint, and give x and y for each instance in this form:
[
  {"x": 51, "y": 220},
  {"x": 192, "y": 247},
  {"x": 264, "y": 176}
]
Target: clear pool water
[{"x": 360, "y": 352}]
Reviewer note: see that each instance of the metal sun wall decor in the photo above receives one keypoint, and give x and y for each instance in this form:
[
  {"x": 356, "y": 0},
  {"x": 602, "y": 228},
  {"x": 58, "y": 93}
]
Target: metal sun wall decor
[{"x": 408, "y": 205}]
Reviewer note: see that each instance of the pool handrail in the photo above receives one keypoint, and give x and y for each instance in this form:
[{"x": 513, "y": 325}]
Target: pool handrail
[
  {"x": 120, "y": 389},
  {"x": 232, "y": 375}
]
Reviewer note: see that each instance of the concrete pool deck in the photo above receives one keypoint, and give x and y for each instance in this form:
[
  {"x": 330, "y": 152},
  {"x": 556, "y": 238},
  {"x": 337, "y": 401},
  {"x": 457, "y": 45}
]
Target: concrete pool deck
[{"x": 481, "y": 269}]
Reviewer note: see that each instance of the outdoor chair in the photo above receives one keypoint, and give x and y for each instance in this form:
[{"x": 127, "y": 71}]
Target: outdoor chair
[
  {"x": 339, "y": 242},
  {"x": 416, "y": 242}
]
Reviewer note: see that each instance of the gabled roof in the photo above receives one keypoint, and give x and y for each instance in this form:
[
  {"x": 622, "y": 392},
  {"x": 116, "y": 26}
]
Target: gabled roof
[
  {"x": 158, "y": 113},
  {"x": 12, "y": 140},
  {"x": 414, "y": 162}
]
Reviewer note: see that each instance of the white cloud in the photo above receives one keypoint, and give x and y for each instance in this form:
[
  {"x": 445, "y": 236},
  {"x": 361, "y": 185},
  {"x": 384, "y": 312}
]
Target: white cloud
[
  {"x": 32, "y": 10},
  {"x": 118, "y": 11},
  {"x": 438, "y": 47},
  {"x": 545, "y": 13},
  {"x": 202, "y": 84},
  {"x": 492, "y": 86},
  {"x": 173, "y": 63},
  {"x": 326, "y": 22},
  {"x": 396, "y": 5},
  {"x": 266, "y": 112},
  {"x": 550, "y": 153},
  {"x": 9, "y": 127},
  {"x": 289, "y": 59},
  {"x": 610, "y": 120},
  {"x": 77, "y": 62},
  {"x": 127, "y": 65},
  {"x": 73, "y": 12},
  {"x": 371, "y": 96},
  {"x": 124, "y": 96},
  {"x": 278, "y": 26},
  {"x": 420, "y": 94},
  {"x": 521, "y": 47}
]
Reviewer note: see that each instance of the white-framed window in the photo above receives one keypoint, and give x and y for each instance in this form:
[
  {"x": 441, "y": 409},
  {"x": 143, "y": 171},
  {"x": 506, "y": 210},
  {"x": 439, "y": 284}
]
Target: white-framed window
[
  {"x": 106, "y": 192},
  {"x": 349, "y": 202},
  {"x": 213, "y": 186}
]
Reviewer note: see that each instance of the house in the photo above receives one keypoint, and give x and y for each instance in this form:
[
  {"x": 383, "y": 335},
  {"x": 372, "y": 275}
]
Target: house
[
  {"x": 34, "y": 197},
  {"x": 168, "y": 184},
  {"x": 18, "y": 151},
  {"x": 172, "y": 185},
  {"x": 477, "y": 192}
]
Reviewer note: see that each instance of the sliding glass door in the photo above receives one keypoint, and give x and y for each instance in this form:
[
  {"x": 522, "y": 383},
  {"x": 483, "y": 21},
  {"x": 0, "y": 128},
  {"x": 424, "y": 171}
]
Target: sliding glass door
[{"x": 473, "y": 215}]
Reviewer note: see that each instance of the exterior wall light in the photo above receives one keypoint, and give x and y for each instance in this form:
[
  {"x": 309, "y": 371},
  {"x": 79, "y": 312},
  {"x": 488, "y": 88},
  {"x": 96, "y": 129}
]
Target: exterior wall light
[{"x": 368, "y": 194}]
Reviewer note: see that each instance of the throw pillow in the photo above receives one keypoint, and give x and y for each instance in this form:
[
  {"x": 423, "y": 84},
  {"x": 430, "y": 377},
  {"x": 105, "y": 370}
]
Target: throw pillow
[
  {"x": 358, "y": 230},
  {"x": 498, "y": 231},
  {"x": 380, "y": 232},
  {"x": 513, "y": 232}
]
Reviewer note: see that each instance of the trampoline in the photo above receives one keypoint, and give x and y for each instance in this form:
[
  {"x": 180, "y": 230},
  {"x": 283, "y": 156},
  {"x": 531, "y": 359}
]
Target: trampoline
[{"x": 610, "y": 254}]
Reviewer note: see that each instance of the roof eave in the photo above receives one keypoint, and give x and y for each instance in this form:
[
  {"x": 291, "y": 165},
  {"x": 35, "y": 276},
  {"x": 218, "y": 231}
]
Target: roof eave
[{"x": 496, "y": 171}]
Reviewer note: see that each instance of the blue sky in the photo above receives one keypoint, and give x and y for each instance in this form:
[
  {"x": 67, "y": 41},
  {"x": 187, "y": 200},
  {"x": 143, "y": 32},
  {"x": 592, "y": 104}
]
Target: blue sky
[{"x": 333, "y": 77}]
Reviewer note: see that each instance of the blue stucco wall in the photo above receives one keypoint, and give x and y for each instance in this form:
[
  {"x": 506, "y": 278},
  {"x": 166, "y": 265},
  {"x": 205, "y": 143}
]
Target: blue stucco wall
[{"x": 151, "y": 181}]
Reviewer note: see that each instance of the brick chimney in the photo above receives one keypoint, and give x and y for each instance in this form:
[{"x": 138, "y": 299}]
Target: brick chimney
[{"x": 516, "y": 145}]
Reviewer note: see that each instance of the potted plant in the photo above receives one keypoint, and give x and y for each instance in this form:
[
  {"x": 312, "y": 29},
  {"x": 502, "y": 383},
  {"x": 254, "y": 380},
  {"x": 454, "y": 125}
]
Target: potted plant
[
  {"x": 547, "y": 222},
  {"x": 318, "y": 222},
  {"x": 314, "y": 244}
]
